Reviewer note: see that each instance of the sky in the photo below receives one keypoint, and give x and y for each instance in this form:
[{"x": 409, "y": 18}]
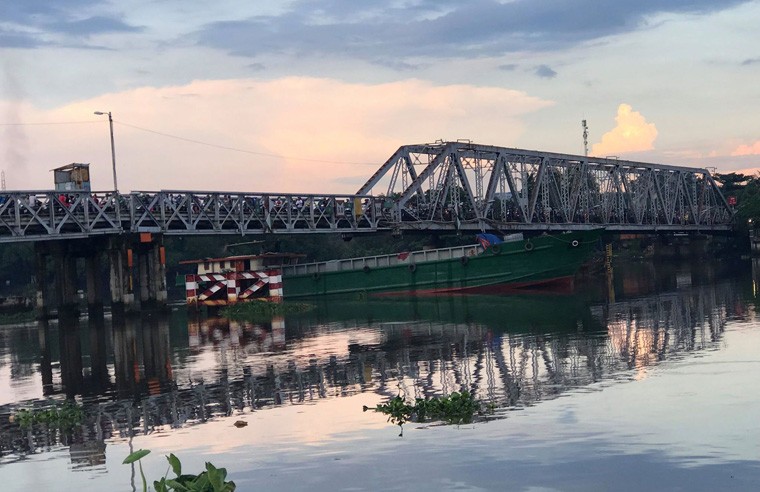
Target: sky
[{"x": 313, "y": 96}]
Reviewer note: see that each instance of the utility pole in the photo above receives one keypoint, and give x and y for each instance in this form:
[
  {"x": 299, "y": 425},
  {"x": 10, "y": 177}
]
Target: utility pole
[
  {"x": 585, "y": 137},
  {"x": 113, "y": 149},
  {"x": 2, "y": 180}
]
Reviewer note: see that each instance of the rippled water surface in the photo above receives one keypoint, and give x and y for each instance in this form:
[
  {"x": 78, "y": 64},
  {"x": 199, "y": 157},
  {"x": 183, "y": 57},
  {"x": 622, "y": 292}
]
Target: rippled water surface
[{"x": 648, "y": 380}]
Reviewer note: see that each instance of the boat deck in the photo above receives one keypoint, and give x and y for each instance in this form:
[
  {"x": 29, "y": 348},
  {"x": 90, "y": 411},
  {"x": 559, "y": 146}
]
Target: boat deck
[{"x": 405, "y": 258}]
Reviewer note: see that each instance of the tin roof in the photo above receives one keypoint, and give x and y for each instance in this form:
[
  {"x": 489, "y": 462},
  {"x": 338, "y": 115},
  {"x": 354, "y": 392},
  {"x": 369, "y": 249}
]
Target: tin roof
[{"x": 72, "y": 166}]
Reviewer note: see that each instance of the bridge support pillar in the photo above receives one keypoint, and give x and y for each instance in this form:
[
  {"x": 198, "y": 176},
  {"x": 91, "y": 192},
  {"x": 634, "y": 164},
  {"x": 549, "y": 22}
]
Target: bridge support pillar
[
  {"x": 120, "y": 257},
  {"x": 40, "y": 279},
  {"x": 94, "y": 293},
  {"x": 151, "y": 262},
  {"x": 64, "y": 265}
]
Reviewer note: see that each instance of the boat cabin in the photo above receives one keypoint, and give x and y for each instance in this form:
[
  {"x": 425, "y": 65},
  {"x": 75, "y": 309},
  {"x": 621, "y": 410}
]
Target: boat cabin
[{"x": 232, "y": 279}]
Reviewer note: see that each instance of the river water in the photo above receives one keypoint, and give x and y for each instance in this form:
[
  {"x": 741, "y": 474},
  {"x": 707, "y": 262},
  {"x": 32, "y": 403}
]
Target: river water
[{"x": 647, "y": 379}]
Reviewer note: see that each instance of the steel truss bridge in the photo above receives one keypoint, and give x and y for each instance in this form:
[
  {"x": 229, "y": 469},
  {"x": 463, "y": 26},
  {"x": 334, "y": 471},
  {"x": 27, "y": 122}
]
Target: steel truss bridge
[{"x": 432, "y": 187}]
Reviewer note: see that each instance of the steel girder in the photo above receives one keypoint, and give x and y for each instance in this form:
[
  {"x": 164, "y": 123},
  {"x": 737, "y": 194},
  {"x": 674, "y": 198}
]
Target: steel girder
[
  {"x": 27, "y": 215},
  {"x": 188, "y": 212},
  {"x": 470, "y": 186},
  {"x": 38, "y": 215},
  {"x": 441, "y": 186}
]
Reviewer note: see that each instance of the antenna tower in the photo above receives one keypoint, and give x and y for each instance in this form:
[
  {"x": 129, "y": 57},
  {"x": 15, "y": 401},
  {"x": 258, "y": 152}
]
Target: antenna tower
[{"x": 585, "y": 137}]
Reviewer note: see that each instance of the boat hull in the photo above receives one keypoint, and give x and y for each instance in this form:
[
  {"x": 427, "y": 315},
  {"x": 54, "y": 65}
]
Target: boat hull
[{"x": 509, "y": 265}]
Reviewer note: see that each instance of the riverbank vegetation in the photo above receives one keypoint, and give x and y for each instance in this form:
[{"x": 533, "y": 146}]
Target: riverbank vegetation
[{"x": 743, "y": 191}]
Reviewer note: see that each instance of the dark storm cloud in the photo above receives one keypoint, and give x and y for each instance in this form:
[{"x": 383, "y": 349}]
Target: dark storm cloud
[{"x": 361, "y": 29}]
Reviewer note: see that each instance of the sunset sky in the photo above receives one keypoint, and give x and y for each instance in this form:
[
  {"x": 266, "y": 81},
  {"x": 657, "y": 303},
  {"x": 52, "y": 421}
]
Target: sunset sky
[{"x": 312, "y": 96}]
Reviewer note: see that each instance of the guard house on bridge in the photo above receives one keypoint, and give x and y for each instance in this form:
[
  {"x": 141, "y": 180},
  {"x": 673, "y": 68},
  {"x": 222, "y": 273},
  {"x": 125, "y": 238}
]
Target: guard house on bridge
[
  {"x": 233, "y": 279},
  {"x": 72, "y": 177}
]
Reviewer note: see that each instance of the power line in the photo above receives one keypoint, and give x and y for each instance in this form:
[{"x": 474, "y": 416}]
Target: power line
[
  {"x": 41, "y": 123},
  {"x": 190, "y": 140},
  {"x": 234, "y": 149}
]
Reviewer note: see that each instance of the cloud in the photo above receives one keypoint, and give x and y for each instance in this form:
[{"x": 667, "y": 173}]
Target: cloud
[
  {"x": 752, "y": 149},
  {"x": 93, "y": 25},
  {"x": 36, "y": 23},
  {"x": 750, "y": 61},
  {"x": 10, "y": 39},
  {"x": 437, "y": 30},
  {"x": 266, "y": 135},
  {"x": 631, "y": 134},
  {"x": 545, "y": 72}
]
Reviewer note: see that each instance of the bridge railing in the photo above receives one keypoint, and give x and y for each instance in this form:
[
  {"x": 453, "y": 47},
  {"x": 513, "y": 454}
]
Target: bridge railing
[
  {"x": 33, "y": 214},
  {"x": 187, "y": 212}
]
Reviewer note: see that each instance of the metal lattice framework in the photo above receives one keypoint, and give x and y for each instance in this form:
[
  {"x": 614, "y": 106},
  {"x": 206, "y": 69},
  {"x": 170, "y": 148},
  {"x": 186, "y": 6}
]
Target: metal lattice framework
[
  {"x": 473, "y": 186},
  {"x": 442, "y": 186},
  {"x": 34, "y": 215}
]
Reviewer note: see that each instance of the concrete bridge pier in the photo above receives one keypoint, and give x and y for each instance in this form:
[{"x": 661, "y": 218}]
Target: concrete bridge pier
[
  {"x": 120, "y": 259},
  {"x": 40, "y": 280},
  {"x": 94, "y": 292},
  {"x": 151, "y": 263},
  {"x": 64, "y": 266}
]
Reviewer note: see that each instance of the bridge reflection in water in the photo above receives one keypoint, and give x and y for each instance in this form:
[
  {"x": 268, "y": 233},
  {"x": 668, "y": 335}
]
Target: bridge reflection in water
[{"x": 136, "y": 377}]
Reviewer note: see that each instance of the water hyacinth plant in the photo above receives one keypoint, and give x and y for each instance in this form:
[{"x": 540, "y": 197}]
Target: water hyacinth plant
[
  {"x": 456, "y": 408},
  {"x": 64, "y": 417}
]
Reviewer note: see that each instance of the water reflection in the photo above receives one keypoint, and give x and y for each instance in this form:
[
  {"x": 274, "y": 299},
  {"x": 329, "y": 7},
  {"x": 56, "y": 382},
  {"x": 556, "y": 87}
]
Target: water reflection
[{"x": 144, "y": 376}]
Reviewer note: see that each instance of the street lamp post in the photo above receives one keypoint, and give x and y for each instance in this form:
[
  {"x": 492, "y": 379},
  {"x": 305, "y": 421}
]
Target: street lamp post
[{"x": 113, "y": 149}]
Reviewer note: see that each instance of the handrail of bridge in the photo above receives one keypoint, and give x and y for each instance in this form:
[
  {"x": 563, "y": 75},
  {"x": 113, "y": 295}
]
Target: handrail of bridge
[{"x": 48, "y": 214}]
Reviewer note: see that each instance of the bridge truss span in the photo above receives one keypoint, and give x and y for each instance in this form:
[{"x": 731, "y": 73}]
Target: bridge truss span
[
  {"x": 29, "y": 215},
  {"x": 454, "y": 186},
  {"x": 471, "y": 186},
  {"x": 187, "y": 212}
]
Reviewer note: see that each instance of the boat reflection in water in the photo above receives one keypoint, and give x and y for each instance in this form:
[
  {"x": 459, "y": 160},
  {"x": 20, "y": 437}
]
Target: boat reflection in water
[{"x": 139, "y": 376}]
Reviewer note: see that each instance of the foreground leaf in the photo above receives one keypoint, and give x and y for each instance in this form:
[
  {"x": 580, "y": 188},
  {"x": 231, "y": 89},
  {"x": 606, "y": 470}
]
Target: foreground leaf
[{"x": 137, "y": 455}]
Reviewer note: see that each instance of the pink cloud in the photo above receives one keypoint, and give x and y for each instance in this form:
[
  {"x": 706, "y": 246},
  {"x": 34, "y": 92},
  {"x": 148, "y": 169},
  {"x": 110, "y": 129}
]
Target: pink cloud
[
  {"x": 294, "y": 134},
  {"x": 631, "y": 134},
  {"x": 752, "y": 149}
]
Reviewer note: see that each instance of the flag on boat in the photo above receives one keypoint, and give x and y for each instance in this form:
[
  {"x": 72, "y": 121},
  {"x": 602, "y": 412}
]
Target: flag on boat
[{"x": 487, "y": 240}]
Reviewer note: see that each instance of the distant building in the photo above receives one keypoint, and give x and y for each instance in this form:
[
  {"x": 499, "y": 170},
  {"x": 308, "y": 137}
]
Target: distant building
[{"x": 72, "y": 177}]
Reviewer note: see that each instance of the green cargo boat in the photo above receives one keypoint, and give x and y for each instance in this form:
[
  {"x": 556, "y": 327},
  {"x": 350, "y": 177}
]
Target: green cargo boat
[{"x": 487, "y": 267}]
